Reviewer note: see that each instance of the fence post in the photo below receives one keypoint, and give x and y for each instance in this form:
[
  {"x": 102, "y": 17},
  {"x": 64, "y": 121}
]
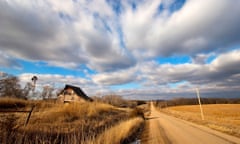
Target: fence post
[{"x": 29, "y": 115}]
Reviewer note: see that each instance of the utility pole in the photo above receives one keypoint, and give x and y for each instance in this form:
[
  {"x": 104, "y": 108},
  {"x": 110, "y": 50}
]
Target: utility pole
[{"x": 200, "y": 105}]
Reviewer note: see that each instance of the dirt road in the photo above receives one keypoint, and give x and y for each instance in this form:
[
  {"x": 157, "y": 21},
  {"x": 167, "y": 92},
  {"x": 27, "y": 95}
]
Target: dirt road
[{"x": 164, "y": 129}]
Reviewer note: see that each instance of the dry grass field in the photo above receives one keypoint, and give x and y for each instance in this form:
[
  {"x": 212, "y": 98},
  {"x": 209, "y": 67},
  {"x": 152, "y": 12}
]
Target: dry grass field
[
  {"x": 221, "y": 117},
  {"x": 117, "y": 134},
  {"x": 66, "y": 123}
]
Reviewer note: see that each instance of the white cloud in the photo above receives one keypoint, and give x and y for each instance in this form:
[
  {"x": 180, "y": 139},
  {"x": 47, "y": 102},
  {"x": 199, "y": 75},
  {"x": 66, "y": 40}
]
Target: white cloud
[
  {"x": 39, "y": 32},
  {"x": 91, "y": 33},
  {"x": 219, "y": 77},
  {"x": 7, "y": 61},
  {"x": 115, "y": 78},
  {"x": 200, "y": 26},
  {"x": 230, "y": 59},
  {"x": 219, "y": 71},
  {"x": 121, "y": 45}
]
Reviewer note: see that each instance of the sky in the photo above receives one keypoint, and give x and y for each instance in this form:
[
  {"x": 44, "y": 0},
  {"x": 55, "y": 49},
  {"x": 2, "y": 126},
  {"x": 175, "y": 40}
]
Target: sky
[{"x": 139, "y": 49}]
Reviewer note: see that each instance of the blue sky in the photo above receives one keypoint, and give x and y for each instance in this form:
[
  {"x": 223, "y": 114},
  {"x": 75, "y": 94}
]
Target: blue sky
[{"x": 147, "y": 49}]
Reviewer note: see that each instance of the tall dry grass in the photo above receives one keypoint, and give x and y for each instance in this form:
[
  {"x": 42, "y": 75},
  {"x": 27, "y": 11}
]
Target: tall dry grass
[
  {"x": 119, "y": 133},
  {"x": 70, "y": 112},
  {"x": 65, "y": 123},
  {"x": 13, "y": 103}
]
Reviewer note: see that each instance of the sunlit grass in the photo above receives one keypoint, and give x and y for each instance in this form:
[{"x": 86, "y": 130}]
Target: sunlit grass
[
  {"x": 8, "y": 102},
  {"x": 117, "y": 134},
  {"x": 53, "y": 122},
  {"x": 222, "y": 117},
  {"x": 70, "y": 112}
]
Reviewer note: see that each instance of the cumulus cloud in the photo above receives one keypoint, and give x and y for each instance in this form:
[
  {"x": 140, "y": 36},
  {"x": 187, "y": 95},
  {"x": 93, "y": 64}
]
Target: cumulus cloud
[
  {"x": 119, "y": 42},
  {"x": 8, "y": 61},
  {"x": 31, "y": 31},
  {"x": 219, "y": 78},
  {"x": 56, "y": 33},
  {"x": 221, "y": 73},
  {"x": 199, "y": 26},
  {"x": 115, "y": 78},
  {"x": 201, "y": 58},
  {"x": 108, "y": 35}
]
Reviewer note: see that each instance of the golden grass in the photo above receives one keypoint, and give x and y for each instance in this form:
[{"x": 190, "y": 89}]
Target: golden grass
[
  {"x": 8, "y": 103},
  {"x": 222, "y": 117},
  {"x": 70, "y": 112},
  {"x": 69, "y": 123},
  {"x": 117, "y": 134}
]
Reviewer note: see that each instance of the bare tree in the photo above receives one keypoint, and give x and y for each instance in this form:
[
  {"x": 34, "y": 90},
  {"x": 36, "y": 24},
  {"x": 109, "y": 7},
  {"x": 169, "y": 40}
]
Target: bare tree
[
  {"x": 27, "y": 89},
  {"x": 9, "y": 86},
  {"x": 47, "y": 92}
]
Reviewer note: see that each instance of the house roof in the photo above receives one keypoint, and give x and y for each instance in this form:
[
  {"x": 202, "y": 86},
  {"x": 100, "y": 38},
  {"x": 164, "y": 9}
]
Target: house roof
[{"x": 78, "y": 91}]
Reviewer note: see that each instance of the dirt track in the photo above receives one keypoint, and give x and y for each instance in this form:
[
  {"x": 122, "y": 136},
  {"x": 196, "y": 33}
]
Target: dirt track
[{"x": 164, "y": 129}]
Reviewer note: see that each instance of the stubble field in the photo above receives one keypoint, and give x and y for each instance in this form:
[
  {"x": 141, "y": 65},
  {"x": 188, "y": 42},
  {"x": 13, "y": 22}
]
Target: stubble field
[{"x": 221, "y": 117}]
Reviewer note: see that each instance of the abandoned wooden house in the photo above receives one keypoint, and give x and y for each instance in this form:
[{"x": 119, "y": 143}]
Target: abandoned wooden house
[{"x": 72, "y": 94}]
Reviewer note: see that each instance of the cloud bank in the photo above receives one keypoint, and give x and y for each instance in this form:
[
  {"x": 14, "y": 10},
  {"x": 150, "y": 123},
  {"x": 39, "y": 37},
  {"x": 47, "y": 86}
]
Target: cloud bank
[{"x": 121, "y": 43}]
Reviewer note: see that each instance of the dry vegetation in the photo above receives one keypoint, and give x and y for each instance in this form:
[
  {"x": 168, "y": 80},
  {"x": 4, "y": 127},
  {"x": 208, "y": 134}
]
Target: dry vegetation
[
  {"x": 13, "y": 103},
  {"x": 221, "y": 117},
  {"x": 118, "y": 134},
  {"x": 67, "y": 123},
  {"x": 118, "y": 101}
]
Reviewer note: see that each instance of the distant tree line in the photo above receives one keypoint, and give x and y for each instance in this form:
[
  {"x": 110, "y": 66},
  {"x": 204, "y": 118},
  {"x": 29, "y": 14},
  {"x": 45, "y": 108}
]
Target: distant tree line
[
  {"x": 10, "y": 87},
  {"x": 194, "y": 101},
  {"x": 114, "y": 100},
  {"x": 118, "y": 101}
]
